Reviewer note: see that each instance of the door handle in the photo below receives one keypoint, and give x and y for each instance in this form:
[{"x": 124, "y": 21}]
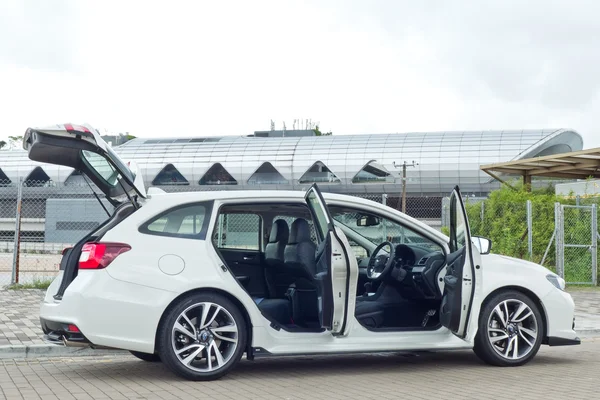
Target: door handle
[{"x": 248, "y": 258}]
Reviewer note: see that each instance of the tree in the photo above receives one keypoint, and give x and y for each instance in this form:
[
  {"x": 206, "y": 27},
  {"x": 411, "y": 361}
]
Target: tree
[
  {"x": 319, "y": 133},
  {"x": 2, "y": 144},
  {"x": 15, "y": 141}
]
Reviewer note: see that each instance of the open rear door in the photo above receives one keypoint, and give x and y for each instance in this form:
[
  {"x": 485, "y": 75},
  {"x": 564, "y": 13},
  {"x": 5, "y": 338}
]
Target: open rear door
[
  {"x": 459, "y": 282},
  {"x": 333, "y": 266},
  {"x": 81, "y": 147}
]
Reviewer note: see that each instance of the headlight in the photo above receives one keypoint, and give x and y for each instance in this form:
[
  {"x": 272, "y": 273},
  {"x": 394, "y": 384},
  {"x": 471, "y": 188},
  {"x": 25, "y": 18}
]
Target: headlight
[{"x": 557, "y": 281}]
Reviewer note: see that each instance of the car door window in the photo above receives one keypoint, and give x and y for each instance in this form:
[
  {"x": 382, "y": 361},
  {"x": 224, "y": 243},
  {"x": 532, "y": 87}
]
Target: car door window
[
  {"x": 237, "y": 231},
  {"x": 458, "y": 228}
]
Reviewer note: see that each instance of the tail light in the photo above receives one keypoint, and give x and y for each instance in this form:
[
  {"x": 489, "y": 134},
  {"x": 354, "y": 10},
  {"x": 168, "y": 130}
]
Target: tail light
[{"x": 100, "y": 255}]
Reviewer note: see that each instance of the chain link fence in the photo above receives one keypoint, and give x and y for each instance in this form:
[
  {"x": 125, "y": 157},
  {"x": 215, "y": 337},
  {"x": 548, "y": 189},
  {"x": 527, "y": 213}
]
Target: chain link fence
[
  {"x": 39, "y": 219},
  {"x": 49, "y": 218},
  {"x": 562, "y": 237}
]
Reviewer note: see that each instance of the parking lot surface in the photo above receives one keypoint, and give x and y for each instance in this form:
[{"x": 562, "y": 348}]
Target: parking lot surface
[{"x": 556, "y": 373}]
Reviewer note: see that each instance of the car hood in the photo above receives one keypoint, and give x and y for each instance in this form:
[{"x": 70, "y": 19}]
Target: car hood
[{"x": 506, "y": 261}]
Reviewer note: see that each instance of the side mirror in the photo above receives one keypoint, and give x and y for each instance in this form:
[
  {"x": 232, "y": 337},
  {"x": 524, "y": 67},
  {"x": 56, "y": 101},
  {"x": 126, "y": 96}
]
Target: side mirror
[
  {"x": 484, "y": 245},
  {"x": 367, "y": 220}
]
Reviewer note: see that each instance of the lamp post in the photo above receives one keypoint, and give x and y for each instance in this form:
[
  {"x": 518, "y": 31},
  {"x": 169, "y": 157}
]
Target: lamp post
[{"x": 404, "y": 165}]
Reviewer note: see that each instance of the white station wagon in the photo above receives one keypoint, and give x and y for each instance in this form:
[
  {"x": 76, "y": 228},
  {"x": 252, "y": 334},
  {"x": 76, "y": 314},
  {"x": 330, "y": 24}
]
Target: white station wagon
[{"x": 196, "y": 280}]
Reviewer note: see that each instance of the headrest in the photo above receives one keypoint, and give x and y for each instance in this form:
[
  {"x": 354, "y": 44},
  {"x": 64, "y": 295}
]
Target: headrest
[
  {"x": 300, "y": 231},
  {"x": 279, "y": 232}
]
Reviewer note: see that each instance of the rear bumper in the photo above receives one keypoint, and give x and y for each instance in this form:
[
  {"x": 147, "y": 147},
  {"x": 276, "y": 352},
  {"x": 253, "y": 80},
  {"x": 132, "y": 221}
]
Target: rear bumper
[
  {"x": 558, "y": 341},
  {"x": 59, "y": 333}
]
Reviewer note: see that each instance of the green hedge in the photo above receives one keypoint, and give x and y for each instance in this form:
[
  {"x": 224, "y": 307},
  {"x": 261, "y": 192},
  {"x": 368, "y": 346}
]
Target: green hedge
[{"x": 504, "y": 221}]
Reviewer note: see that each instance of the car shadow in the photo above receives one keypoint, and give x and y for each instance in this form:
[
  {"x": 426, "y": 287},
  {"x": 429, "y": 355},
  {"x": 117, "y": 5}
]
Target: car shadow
[{"x": 362, "y": 365}]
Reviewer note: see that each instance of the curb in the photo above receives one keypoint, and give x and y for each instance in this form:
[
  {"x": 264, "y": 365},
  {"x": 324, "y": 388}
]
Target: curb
[
  {"x": 588, "y": 332},
  {"x": 52, "y": 350}
]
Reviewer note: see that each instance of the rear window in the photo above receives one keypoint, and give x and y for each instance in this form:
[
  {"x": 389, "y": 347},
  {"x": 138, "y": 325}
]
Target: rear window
[{"x": 189, "y": 221}]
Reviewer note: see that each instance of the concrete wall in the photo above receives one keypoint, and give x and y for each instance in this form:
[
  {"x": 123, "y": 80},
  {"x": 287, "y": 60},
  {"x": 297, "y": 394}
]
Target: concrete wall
[{"x": 69, "y": 220}]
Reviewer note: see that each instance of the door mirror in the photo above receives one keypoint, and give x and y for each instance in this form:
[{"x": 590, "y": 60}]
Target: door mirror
[
  {"x": 484, "y": 245},
  {"x": 367, "y": 220}
]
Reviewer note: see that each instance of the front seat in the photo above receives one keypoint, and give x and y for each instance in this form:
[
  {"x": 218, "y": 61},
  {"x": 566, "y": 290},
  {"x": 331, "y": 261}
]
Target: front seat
[
  {"x": 369, "y": 313},
  {"x": 300, "y": 262},
  {"x": 277, "y": 277},
  {"x": 299, "y": 254}
]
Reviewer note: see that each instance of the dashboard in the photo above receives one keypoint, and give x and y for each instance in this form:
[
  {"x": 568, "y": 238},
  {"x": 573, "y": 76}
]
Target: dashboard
[{"x": 422, "y": 267}]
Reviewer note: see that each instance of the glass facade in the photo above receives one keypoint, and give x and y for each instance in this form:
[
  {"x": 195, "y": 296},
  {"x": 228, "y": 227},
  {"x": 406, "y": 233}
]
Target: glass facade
[
  {"x": 338, "y": 163},
  {"x": 266, "y": 174},
  {"x": 217, "y": 175},
  {"x": 319, "y": 173},
  {"x": 37, "y": 178},
  {"x": 169, "y": 175}
]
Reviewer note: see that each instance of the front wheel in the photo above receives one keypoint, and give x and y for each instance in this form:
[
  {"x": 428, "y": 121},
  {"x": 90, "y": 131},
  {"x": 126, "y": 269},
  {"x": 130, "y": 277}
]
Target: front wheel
[
  {"x": 203, "y": 337},
  {"x": 510, "y": 330}
]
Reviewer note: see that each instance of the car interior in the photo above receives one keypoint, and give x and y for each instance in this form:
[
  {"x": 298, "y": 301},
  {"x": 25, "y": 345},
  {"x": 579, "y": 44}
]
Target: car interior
[{"x": 271, "y": 251}]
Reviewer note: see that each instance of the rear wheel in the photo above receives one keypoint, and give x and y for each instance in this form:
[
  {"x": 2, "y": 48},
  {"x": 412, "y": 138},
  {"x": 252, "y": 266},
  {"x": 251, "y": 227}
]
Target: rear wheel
[
  {"x": 510, "y": 330},
  {"x": 203, "y": 337},
  {"x": 146, "y": 356}
]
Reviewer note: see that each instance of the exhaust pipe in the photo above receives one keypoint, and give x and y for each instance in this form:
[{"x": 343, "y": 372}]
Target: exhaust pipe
[{"x": 71, "y": 343}]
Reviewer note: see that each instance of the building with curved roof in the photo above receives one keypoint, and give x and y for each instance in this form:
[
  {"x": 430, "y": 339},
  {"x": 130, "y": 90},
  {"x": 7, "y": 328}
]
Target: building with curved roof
[{"x": 339, "y": 163}]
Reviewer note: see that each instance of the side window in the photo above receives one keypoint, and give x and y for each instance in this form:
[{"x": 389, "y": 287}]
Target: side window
[
  {"x": 458, "y": 225},
  {"x": 237, "y": 231},
  {"x": 190, "y": 221},
  {"x": 320, "y": 216}
]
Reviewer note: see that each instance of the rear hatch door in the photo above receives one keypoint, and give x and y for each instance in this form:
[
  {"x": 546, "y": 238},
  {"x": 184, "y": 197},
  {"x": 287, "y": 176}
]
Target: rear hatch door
[{"x": 81, "y": 147}]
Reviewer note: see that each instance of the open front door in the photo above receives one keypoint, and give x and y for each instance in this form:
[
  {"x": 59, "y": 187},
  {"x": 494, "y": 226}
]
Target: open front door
[
  {"x": 459, "y": 282},
  {"x": 333, "y": 266}
]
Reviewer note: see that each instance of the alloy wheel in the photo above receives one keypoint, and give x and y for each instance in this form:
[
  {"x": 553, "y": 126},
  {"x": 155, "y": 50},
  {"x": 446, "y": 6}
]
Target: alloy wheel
[
  {"x": 512, "y": 329},
  {"x": 204, "y": 337}
]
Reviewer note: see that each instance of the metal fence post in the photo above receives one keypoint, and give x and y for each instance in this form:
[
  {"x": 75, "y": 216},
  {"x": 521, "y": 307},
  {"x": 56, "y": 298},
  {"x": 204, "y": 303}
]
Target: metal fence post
[
  {"x": 384, "y": 197},
  {"x": 17, "y": 240},
  {"x": 529, "y": 231},
  {"x": 482, "y": 212},
  {"x": 594, "y": 248},
  {"x": 559, "y": 240}
]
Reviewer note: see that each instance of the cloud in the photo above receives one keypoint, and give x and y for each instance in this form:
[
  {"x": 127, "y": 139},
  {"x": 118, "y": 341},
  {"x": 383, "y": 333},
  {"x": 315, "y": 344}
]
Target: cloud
[
  {"x": 38, "y": 34},
  {"x": 197, "y": 68}
]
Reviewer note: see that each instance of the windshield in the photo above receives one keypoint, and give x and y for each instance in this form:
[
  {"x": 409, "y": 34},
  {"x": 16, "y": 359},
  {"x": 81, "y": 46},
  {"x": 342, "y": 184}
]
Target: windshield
[{"x": 377, "y": 230}]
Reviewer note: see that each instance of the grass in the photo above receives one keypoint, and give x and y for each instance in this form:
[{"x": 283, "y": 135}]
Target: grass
[{"x": 36, "y": 284}]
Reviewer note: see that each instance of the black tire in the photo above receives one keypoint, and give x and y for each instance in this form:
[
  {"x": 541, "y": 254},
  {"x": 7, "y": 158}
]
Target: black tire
[
  {"x": 146, "y": 356},
  {"x": 165, "y": 336},
  {"x": 484, "y": 349}
]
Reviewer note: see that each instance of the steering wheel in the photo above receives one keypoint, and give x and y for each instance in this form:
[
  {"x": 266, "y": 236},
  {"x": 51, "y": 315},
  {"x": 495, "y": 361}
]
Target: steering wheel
[{"x": 380, "y": 266}]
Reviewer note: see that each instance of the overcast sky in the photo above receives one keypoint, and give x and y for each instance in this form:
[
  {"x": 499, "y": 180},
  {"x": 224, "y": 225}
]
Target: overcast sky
[{"x": 198, "y": 68}]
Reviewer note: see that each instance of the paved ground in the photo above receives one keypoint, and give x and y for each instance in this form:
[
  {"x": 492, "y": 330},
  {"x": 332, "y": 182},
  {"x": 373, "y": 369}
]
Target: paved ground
[
  {"x": 556, "y": 373},
  {"x": 19, "y": 323}
]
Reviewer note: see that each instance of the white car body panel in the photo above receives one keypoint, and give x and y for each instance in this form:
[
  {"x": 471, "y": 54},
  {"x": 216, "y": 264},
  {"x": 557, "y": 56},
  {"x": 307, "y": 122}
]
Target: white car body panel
[{"x": 122, "y": 305}]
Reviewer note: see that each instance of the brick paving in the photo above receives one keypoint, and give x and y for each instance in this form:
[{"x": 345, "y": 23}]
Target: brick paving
[
  {"x": 19, "y": 315},
  {"x": 556, "y": 373}
]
